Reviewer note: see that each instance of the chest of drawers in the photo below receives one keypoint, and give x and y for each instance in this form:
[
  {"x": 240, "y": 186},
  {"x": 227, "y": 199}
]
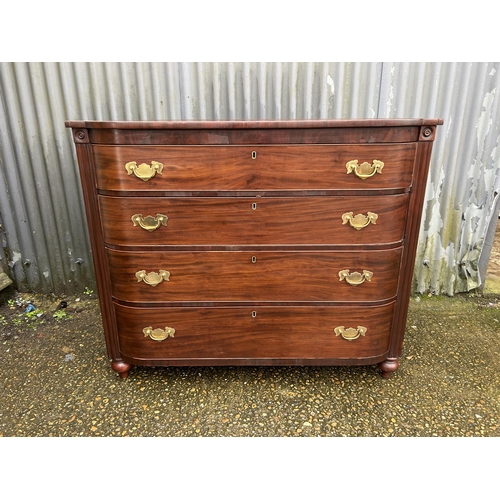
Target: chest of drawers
[{"x": 254, "y": 242}]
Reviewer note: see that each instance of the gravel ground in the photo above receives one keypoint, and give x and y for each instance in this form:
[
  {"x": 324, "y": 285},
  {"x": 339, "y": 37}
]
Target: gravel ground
[{"x": 56, "y": 380}]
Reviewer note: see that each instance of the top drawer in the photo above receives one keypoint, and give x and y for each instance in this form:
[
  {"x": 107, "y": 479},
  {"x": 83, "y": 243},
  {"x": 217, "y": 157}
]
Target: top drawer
[{"x": 250, "y": 168}]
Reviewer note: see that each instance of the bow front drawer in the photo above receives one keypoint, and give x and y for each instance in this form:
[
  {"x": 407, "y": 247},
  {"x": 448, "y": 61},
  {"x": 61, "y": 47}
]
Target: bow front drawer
[
  {"x": 253, "y": 168},
  {"x": 320, "y": 220},
  {"x": 219, "y": 333},
  {"x": 254, "y": 276}
]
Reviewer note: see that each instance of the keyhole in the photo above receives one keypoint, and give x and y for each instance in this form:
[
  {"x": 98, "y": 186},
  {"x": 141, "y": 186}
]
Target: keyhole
[
  {"x": 254, "y": 314},
  {"x": 254, "y": 206},
  {"x": 254, "y": 155},
  {"x": 254, "y": 259}
]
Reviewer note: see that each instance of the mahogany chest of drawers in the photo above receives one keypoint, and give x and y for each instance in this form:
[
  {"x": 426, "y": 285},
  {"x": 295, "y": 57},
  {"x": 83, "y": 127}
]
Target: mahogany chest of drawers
[{"x": 254, "y": 242}]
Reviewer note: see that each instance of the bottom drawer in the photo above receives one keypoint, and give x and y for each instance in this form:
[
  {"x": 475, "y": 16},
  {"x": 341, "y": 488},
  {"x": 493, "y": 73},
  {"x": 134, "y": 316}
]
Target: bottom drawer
[{"x": 221, "y": 333}]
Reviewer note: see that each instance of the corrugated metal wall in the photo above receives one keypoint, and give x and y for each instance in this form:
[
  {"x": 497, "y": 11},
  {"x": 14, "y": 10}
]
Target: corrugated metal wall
[{"x": 44, "y": 238}]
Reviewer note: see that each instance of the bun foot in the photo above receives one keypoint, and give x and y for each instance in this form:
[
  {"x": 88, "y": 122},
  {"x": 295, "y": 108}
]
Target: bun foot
[
  {"x": 119, "y": 366},
  {"x": 388, "y": 366}
]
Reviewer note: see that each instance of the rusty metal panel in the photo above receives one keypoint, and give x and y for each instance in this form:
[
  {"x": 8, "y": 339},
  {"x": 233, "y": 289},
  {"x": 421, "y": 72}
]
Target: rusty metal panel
[
  {"x": 461, "y": 207},
  {"x": 44, "y": 237}
]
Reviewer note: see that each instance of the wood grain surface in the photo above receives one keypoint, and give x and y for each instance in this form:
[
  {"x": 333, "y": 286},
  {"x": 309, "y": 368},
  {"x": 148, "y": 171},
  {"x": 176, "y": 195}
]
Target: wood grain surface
[
  {"x": 311, "y": 220},
  {"x": 273, "y": 332},
  {"x": 254, "y": 276},
  {"x": 232, "y": 168}
]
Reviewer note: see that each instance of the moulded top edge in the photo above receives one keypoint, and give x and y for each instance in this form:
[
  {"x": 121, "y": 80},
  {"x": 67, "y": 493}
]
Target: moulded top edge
[{"x": 249, "y": 124}]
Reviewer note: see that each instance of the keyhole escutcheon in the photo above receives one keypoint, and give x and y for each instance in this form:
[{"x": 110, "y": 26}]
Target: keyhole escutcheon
[{"x": 254, "y": 155}]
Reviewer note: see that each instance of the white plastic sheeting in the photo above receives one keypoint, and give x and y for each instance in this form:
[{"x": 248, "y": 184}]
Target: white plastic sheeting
[{"x": 44, "y": 237}]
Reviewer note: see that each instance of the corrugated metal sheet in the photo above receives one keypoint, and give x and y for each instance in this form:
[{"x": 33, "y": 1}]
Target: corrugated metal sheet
[
  {"x": 464, "y": 179},
  {"x": 44, "y": 238}
]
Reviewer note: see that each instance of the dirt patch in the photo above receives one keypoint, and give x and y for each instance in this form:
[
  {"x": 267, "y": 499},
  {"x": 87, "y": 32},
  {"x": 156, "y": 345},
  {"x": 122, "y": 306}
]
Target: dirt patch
[{"x": 26, "y": 312}]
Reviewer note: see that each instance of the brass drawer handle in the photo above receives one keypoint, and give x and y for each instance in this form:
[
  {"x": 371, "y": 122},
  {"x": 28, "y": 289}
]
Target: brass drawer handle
[
  {"x": 144, "y": 171},
  {"x": 158, "y": 334},
  {"x": 355, "y": 278},
  {"x": 366, "y": 169},
  {"x": 152, "y": 278},
  {"x": 359, "y": 221},
  {"x": 350, "y": 333},
  {"x": 149, "y": 223}
]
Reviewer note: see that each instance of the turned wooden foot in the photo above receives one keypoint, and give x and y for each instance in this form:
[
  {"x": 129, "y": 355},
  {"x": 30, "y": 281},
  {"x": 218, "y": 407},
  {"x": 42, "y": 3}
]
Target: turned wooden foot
[
  {"x": 121, "y": 367},
  {"x": 388, "y": 366}
]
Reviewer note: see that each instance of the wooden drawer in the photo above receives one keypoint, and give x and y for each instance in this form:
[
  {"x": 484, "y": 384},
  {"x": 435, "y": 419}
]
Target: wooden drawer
[
  {"x": 253, "y": 332},
  {"x": 254, "y": 276},
  {"x": 311, "y": 220},
  {"x": 250, "y": 168}
]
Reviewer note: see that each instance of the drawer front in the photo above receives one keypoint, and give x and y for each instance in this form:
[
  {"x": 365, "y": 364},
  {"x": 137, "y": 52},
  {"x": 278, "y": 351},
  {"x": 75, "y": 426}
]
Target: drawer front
[
  {"x": 254, "y": 332},
  {"x": 311, "y": 220},
  {"x": 258, "y": 167},
  {"x": 258, "y": 276}
]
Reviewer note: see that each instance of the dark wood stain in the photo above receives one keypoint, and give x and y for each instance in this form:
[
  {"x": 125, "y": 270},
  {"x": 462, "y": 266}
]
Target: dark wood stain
[{"x": 254, "y": 240}]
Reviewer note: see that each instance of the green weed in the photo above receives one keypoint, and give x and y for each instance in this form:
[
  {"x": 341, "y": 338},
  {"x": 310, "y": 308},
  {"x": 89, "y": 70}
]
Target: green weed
[{"x": 59, "y": 315}]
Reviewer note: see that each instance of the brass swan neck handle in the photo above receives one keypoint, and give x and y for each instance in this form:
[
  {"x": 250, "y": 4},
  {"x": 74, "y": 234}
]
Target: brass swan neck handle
[
  {"x": 365, "y": 170},
  {"x": 149, "y": 223},
  {"x": 152, "y": 278},
  {"x": 359, "y": 221},
  {"x": 158, "y": 334},
  {"x": 350, "y": 333},
  {"x": 355, "y": 278},
  {"x": 144, "y": 171}
]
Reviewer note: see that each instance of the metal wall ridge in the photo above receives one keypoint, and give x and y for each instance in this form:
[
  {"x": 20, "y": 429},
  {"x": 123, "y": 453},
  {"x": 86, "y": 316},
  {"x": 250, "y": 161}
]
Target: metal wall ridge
[{"x": 45, "y": 245}]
